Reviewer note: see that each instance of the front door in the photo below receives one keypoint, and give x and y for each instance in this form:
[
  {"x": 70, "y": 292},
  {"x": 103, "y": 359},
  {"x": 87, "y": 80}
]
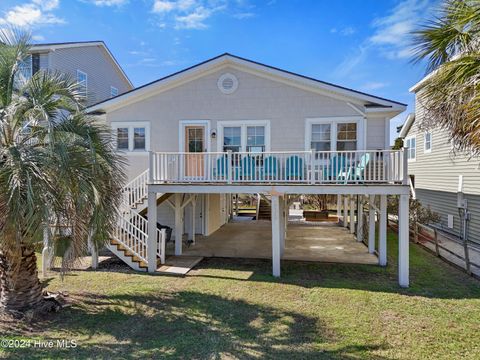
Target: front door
[{"x": 194, "y": 147}]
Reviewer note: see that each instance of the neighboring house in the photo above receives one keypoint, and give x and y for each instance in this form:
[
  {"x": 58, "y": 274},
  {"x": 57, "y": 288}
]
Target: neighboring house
[
  {"x": 231, "y": 125},
  {"x": 91, "y": 63},
  {"x": 446, "y": 181}
]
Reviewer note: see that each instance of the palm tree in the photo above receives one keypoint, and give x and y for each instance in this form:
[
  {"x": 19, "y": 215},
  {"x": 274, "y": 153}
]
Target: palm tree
[
  {"x": 58, "y": 170},
  {"x": 450, "y": 43}
]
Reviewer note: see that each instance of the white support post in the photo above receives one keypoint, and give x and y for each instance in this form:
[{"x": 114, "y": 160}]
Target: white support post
[
  {"x": 152, "y": 242},
  {"x": 345, "y": 211},
  {"x": 339, "y": 206},
  {"x": 282, "y": 226},
  {"x": 403, "y": 242},
  {"x": 178, "y": 224},
  {"x": 352, "y": 215},
  {"x": 360, "y": 220},
  {"x": 382, "y": 232},
  {"x": 45, "y": 251},
  {"x": 194, "y": 215},
  {"x": 276, "y": 235},
  {"x": 93, "y": 251},
  {"x": 371, "y": 224}
]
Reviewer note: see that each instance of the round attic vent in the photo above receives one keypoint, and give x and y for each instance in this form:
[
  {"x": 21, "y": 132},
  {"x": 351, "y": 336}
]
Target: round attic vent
[{"x": 227, "y": 83}]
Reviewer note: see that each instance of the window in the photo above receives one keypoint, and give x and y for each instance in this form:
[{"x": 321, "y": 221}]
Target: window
[
  {"x": 232, "y": 138},
  {"x": 347, "y": 137},
  {"x": 24, "y": 71},
  {"x": 321, "y": 137},
  {"x": 427, "y": 142},
  {"x": 411, "y": 145},
  {"x": 332, "y": 134},
  {"x": 122, "y": 138},
  {"x": 82, "y": 83},
  {"x": 132, "y": 136},
  {"x": 113, "y": 91},
  {"x": 244, "y": 135},
  {"x": 255, "y": 138},
  {"x": 139, "y": 138}
]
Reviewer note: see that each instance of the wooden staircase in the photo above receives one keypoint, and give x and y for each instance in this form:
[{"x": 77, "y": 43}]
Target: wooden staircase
[{"x": 264, "y": 209}]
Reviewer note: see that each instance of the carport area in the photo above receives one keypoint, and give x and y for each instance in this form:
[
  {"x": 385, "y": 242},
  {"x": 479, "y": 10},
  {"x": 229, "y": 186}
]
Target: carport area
[{"x": 323, "y": 242}]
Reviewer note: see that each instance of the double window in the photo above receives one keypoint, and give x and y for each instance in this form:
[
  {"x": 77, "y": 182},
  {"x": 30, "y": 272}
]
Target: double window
[
  {"x": 324, "y": 135},
  {"x": 131, "y": 136},
  {"x": 251, "y": 136},
  {"x": 411, "y": 145}
]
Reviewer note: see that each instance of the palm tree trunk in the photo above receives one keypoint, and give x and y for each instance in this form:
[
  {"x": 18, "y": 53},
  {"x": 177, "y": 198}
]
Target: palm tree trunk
[{"x": 20, "y": 288}]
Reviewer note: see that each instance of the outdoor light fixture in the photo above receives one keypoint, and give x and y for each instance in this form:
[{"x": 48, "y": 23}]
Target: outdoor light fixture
[{"x": 214, "y": 134}]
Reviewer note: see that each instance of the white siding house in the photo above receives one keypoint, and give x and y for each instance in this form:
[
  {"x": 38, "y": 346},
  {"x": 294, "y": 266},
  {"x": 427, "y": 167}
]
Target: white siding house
[{"x": 231, "y": 125}]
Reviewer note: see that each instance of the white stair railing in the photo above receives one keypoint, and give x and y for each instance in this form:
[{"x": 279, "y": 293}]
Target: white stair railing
[
  {"x": 136, "y": 191},
  {"x": 132, "y": 228}
]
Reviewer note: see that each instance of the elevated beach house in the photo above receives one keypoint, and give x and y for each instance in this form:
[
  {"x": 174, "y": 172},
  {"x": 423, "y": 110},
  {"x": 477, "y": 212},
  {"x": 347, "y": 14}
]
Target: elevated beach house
[{"x": 230, "y": 125}]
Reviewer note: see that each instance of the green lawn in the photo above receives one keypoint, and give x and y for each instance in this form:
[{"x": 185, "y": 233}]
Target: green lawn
[{"x": 235, "y": 309}]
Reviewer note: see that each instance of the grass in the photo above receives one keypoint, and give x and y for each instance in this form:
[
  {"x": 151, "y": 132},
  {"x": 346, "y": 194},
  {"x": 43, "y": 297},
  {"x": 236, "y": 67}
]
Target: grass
[{"x": 235, "y": 309}]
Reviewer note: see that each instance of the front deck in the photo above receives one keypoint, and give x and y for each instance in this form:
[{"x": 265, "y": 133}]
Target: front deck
[{"x": 363, "y": 167}]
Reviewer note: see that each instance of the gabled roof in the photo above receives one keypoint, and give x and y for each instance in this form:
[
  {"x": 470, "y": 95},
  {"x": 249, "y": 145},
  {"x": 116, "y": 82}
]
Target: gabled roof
[
  {"x": 372, "y": 102},
  {"x": 76, "y": 44},
  {"x": 407, "y": 125}
]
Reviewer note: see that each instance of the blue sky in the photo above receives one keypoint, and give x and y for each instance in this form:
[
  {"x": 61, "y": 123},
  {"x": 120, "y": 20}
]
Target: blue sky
[{"x": 362, "y": 44}]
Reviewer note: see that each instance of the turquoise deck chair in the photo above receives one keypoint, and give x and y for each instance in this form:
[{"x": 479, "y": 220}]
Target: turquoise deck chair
[
  {"x": 336, "y": 166},
  {"x": 248, "y": 167},
  {"x": 270, "y": 167},
  {"x": 294, "y": 168},
  {"x": 221, "y": 171},
  {"x": 356, "y": 172}
]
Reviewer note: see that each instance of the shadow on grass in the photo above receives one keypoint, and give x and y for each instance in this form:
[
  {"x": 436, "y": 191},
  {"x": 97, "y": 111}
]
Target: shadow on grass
[
  {"x": 429, "y": 276},
  {"x": 190, "y": 325}
]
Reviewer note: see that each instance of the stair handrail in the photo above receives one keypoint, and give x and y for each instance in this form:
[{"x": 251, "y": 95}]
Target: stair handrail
[
  {"x": 138, "y": 234},
  {"x": 136, "y": 191}
]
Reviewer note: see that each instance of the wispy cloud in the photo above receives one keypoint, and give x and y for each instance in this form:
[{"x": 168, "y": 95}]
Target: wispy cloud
[
  {"x": 32, "y": 14},
  {"x": 374, "y": 85},
  {"x": 244, "y": 15},
  {"x": 391, "y": 35},
  {"x": 107, "y": 3},
  {"x": 392, "y": 32},
  {"x": 346, "y": 31},
  {"x": 194, "y": 14}
]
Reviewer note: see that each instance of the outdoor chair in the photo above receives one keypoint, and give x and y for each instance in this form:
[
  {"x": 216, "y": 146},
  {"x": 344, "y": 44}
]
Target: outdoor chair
[{"x": 294, "y": 168}]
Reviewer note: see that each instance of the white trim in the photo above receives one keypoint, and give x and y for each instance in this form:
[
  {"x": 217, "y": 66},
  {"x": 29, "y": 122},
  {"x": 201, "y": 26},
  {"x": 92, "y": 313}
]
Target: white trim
[
  {"x": 131, "y": 125},
  {"x": 425, "y": 150},
  {"x": 333, "y": 121},
  {"x": 250, "y": 67},
  {"x": 243, "y": 124},
  {"x": 407, "y": 125},
  {"x": 387, "y": 133},
  {"x": 181, "y": 132}
]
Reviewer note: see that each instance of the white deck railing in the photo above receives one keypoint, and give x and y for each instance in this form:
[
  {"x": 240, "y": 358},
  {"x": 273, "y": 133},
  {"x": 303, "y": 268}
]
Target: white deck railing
[{"x": 300, "y": 167}]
